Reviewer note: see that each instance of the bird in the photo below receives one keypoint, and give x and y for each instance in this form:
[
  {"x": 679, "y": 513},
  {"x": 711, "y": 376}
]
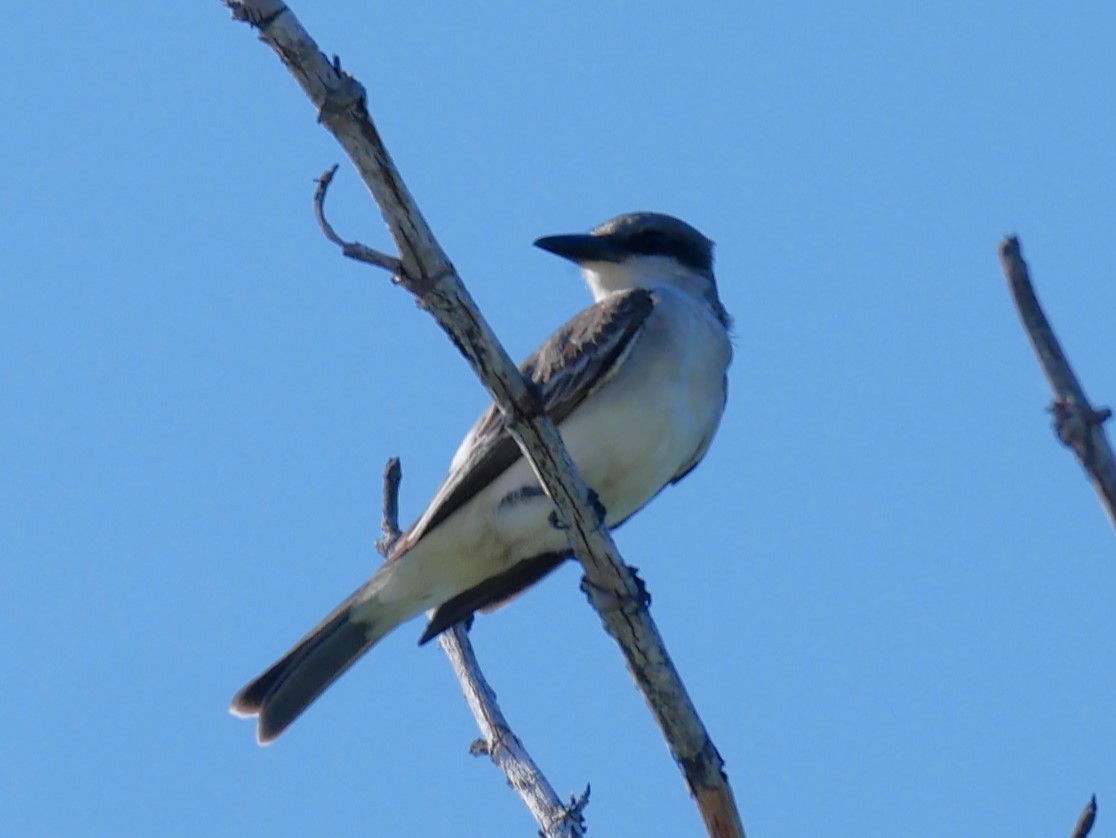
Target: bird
[{"x": 636, "y": 384}]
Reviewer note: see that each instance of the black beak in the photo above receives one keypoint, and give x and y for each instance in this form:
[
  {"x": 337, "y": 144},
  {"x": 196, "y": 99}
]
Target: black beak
[{"x": 581, "y": 248}]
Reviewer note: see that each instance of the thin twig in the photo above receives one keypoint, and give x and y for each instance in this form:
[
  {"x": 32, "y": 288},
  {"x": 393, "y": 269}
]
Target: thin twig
[
  {"x": 506, "y": 750},
  {"x": 354, "y": 250},
  {"x": 426, "y": 271},
  {"x": 389, "y": 520},
  {"x": 1077, "y": 424},
  {"x": 1085, "y": 821}
]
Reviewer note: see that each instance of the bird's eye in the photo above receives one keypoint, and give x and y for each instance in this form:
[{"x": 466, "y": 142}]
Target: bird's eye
[
  {"x": 648, "y": 242},
  {"x": 656, "y": 243}
]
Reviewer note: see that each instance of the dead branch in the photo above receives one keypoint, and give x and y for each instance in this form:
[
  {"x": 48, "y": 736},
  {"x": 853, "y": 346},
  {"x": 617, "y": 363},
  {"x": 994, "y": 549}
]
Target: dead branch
[
  {"x": 354, "y": 250},
  {"x": 426, "y": 271},
  {"x": 1077, "y": 424},
  {"x": 503, "y": 747}
]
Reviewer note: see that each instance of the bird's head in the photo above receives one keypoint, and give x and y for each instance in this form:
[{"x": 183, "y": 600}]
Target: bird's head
[{"x": 641, "y": 250}]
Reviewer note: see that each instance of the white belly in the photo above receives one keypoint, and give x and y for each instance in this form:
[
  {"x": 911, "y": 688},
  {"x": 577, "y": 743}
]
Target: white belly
[{"x": 639, "y": 431}]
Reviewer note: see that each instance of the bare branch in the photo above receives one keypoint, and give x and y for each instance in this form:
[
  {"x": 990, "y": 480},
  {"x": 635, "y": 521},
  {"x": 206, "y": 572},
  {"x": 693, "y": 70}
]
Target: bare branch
[
  {"x": 500, "y": 742},
  {"x": 1085, "y": 822},
  {"x": 354, "y": 250},
  {"x": 427, "y": 272},
  {"x": 504, "y": 748},
  {"x": 1077, "y": 424}
]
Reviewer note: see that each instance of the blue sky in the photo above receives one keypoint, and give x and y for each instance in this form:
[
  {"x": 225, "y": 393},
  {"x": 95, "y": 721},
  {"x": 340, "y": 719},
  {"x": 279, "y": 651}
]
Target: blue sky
[{"x": 888, "y": 588}]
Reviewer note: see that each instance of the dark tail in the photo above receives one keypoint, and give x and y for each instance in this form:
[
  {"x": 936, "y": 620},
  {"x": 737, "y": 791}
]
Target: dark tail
[{"x": 280, "y": 695}]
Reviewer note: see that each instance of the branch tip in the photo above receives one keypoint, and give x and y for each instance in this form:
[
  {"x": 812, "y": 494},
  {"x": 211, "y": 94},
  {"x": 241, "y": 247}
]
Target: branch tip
[
  {"x": 1086, "y": 819},
  {"x": 389, "y": 521},
  {"x": 1011, "y": 260}
]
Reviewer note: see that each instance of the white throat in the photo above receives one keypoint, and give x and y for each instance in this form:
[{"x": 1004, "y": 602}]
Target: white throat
[{"x": 605, "y": 278}]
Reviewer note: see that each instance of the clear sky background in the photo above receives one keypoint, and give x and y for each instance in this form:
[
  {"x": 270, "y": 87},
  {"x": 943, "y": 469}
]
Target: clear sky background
[{"x": 888, "y": 588}]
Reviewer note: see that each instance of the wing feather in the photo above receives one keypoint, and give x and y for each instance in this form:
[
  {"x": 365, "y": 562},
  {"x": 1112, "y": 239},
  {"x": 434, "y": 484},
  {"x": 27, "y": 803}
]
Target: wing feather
[{"x": 568, "y": 368}]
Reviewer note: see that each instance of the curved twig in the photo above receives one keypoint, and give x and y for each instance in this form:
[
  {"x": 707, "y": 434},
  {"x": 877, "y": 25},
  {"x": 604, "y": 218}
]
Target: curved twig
[{"x": 354, "y": 250}]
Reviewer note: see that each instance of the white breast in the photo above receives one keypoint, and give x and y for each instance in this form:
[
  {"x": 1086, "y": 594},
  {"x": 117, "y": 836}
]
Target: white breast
[{"x": 646, "y": 424}]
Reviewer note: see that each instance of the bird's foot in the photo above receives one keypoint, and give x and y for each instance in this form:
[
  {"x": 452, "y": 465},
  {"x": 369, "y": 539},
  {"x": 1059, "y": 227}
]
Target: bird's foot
[
  {"x": 598, "y": 507},
  {"x": 611, "y": 600},
  {"x": 598, "y": 510}
]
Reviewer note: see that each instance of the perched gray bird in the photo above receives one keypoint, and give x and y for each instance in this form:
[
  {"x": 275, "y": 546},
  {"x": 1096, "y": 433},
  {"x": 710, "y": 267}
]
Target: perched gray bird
[{"x": 636, "y": 384}]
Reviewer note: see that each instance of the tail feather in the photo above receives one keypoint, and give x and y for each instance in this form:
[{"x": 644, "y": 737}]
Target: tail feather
[{"x": 283, "y": 692}]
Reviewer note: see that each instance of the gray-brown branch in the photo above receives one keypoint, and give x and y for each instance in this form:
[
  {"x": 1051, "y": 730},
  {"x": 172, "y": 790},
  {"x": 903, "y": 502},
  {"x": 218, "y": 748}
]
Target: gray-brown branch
[
  {"x": 427, "y": 272},
  {"x": 1077, "y": 424},
  {"x": 505, "y": 749}
]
